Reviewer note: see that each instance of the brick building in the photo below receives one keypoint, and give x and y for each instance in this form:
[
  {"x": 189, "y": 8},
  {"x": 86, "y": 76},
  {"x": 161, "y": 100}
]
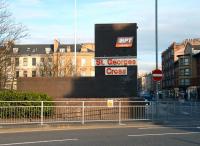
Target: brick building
[
  {"x": 179, "y": 67},
  {"x": 169, "y": 59}
]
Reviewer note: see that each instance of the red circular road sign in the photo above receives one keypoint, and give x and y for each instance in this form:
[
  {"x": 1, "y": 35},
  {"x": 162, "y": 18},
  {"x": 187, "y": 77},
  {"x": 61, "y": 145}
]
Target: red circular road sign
[{"x": 157, "y": 75}]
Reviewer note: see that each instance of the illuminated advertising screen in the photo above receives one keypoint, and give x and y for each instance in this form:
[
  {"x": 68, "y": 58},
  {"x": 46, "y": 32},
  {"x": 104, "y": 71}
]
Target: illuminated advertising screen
[{"x": 116, "y": 59}]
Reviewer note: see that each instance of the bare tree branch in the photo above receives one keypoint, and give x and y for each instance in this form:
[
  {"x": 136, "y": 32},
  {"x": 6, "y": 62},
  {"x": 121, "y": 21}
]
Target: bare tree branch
[{"x": 10, "y": 31}]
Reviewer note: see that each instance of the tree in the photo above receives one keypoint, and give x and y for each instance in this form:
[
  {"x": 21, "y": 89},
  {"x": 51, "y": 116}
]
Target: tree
[
  {"x": 58, "y": 65},
  {"x": 46, "y": 66},
  {"x": 10, "y": 31}
]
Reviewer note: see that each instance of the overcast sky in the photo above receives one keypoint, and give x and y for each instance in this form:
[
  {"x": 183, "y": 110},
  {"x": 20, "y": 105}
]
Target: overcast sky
[{"x": 49, "y": 19}]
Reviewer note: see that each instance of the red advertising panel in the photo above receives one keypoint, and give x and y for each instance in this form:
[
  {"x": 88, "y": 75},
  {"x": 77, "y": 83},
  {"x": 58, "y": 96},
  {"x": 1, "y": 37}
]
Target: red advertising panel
[{"x": 124, "y": 42}]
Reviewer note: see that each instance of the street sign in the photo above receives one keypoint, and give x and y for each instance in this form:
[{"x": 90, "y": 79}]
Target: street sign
[
  {"x": 110, "y": 103},
  {"x": 109, "y": 71},
  {"x": 157, "y": 75},
  {"x": 115, "y": 61}
]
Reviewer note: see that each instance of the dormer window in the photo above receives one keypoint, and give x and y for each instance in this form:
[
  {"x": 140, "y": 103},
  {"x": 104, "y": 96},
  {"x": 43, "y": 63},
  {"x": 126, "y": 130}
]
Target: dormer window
[
  {"x": 62, "y": 50},
  {"x": 15, "y": 50},
  {"x": 47, "y": 50},
  {"x": 34, "y": 50},
  {"x": 68, "y": 49}
]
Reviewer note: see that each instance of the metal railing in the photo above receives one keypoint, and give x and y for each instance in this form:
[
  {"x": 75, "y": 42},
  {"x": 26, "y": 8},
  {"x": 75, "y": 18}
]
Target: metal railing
[
  {"x": 178, "y": 112},
  {"x": 27, "y": 112},
  {"x": 30, "y": 112}
]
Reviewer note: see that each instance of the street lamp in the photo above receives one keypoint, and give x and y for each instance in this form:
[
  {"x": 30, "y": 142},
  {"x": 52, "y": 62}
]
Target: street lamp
[
  {"x": 75, "y": 36},
  {"x": 156, "y": 31},
  {"x": 156, "y": 41},
  {"x": 156, "y": 51}
]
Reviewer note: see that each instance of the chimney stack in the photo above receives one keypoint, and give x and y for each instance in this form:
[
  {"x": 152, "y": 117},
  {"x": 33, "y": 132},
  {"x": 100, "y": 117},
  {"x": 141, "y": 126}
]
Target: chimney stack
[{"x": 56, "y": 45}]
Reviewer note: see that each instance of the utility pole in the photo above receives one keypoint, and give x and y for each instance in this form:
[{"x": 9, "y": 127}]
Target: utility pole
[
  {"x": 75, "y": 37},
  {"x": 156, "y": 51},
  {"x": 156, "y": 31}
]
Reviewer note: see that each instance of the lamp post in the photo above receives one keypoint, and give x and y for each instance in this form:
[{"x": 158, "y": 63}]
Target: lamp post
[
  {"x": 156, "y": 31},
  {"x": 156, "y": 51},
  {"x": 75, "y": 36}
]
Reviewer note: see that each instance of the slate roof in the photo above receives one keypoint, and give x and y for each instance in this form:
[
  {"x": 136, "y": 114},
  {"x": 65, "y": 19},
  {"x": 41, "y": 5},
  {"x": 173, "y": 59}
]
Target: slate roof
[
  {"x": 40, "y": 48},
  {"x": 33, "y": 49},
  {"x": 196, "y": 47}
]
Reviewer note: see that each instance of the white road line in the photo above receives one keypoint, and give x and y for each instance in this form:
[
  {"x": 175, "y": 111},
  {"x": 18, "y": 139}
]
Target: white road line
[
  {"x": 161, "y": 134},
  {"x": 33, "y": 142},
  {"x": 167, "y": 127}
]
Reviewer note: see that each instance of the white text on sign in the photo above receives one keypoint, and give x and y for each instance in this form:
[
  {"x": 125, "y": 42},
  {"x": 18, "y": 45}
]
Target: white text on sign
[
  {"x": 109, "y": 71},
  {"x": 124, "y": 42},
  {"x": 115, "y": 62}
]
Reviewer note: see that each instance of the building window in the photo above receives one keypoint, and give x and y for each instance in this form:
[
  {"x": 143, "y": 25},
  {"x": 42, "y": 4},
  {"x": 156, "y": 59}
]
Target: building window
[
  {"x": 17, "y": 74},
  {"x": 83, "y": 62},
  {"x": 49, "y": 73},
  {"x": 83, "y": 73},
  {"x": 62, "y": 62},
  {"x": 181, "y": 81},
  {"x": 92, "y": 73},
  {"x": 9, "y": 61},
  {"x": 182, "y": 72},
  {"x": 93, "y": 62},
  {"x": 25, "y": 61},
  {"x": 42, "y": 60},
  {"x": 73, "y": 62},
  {"x": 25, "y": 74},
  {"x": 62, "y": 73},
  {"x": 16, "y": 61},
  {"x": 42, "y": 73},
  {"x": 47, "y": 50},
  {"x": 187, "y": 82},
  {"x": 62, "y": 50},
  {"x": 50, "y": 60},
  {"x": 187, "y": 71},
  {"x": 186, "y": 61},
  {"x": 15, "y": 50},
  {"x": 34, "y": 73},
  {"x": 33, "y": 61}
]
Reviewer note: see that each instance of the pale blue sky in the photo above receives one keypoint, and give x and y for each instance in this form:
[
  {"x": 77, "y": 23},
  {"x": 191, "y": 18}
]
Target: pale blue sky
[{"x": 49, "y": 19}]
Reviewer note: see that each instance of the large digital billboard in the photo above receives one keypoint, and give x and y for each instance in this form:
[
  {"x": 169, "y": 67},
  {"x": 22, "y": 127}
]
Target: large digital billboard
[{"x": 116, "y": 59}]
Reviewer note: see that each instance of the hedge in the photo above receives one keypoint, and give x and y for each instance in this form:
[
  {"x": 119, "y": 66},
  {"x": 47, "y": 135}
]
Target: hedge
[{"x": 24, "y": 109}]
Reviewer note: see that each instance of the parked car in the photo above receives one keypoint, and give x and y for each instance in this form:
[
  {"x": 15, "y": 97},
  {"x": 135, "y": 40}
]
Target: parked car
[{"x": 146, "y": 96}]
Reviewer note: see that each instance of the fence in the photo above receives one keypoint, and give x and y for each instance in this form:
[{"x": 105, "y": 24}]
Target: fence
[
  {"x": 177, "y": 112},
  {"x": 27, "y": 112}
]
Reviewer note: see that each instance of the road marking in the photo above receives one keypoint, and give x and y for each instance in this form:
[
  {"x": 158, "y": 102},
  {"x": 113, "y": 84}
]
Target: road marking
[
  {"x": 33, "y": 142},
  {"x": 161, "y": 134},
  {"x": 28, "y": 130},
  {"x": 182, "y": 127}
]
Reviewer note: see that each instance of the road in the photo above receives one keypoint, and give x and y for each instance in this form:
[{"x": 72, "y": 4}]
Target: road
[{"x": 127, "y": 136}]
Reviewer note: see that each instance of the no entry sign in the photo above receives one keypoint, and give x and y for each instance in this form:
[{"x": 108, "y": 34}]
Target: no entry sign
[{"x": 157, "y": 75}]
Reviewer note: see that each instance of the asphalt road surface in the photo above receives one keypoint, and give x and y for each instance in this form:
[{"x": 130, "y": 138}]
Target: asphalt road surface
[{"x": 150, "y": 136}]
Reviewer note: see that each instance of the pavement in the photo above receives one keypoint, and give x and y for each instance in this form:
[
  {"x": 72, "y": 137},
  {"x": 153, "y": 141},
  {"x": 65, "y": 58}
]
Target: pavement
[{"x": 139, "y": 134}]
